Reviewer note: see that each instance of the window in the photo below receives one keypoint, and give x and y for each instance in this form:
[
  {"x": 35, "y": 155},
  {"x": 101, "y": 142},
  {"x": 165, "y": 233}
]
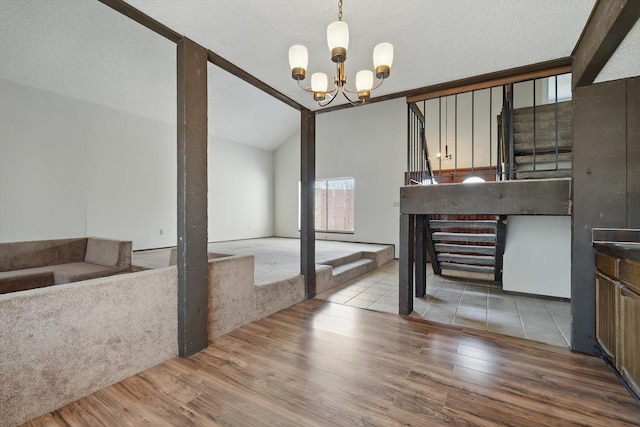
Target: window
[
  {"x": 563, "y": 82},
  {"x": 334, "y": 205}
]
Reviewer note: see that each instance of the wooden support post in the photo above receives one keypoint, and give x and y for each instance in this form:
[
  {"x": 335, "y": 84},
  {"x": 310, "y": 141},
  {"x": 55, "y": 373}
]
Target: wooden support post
[
  {"x": 421, "y": 256},
  {"x": 405, "y": 273},
  {"x": 307, "y": 201},
  {"x": 193, "y": 290},
  {"x": 431, "y": 248},
  {"x": 501, "y": 239},
  {"x": 599, "y": 193}
]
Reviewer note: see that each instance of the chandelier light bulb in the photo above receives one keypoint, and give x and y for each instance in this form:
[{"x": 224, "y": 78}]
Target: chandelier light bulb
[
  {"x": 338, "y": 40},
  {"x": 319, "y": 83},
  {"x": 298, "y": 60},
  {"x": 383, "y": 59},
  {"x": 364, "y": 83}
]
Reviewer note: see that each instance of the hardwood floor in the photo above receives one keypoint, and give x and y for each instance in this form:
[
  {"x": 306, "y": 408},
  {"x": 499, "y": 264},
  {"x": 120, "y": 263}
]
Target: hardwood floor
[{"x": 324, "y": 364}]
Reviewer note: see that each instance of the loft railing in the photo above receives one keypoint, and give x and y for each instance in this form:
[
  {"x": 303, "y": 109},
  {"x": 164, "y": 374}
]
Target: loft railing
[
  {"x": 513, "y": 131},
  {"x": 419, "y": 169}
]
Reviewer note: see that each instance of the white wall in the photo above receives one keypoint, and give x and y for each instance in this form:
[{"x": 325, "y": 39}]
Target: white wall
[
  {"x": 241, "y": 193},
  {"x": 537, "y": 257},
  {"x": 287, "y": 176},
  {"x": 73, "y": 168},
  {"x": 367, "y": 143},
  {"x": 486, "y": 108}
]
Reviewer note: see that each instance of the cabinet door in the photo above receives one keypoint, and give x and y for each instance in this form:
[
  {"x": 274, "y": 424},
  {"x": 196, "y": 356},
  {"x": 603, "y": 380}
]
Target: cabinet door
[
  {"x": 630, "y": 338},
  {"x": 607, "y": 315}
]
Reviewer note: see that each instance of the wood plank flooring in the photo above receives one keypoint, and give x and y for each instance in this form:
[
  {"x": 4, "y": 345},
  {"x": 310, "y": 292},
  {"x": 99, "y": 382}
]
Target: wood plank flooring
[{"x": 324, "y": 364}]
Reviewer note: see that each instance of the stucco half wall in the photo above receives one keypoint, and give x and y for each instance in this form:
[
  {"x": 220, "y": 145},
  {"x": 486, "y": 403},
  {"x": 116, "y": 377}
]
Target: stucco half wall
[{"x": 60, "y": 343}]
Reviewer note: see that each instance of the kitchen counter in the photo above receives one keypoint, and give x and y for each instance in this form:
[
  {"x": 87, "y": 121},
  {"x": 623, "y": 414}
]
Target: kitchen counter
[{"x": 619, "y": 243}]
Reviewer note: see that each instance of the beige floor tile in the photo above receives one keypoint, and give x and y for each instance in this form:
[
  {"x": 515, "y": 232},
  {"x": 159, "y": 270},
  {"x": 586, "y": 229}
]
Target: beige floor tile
[{"x": 359, "y": 303}]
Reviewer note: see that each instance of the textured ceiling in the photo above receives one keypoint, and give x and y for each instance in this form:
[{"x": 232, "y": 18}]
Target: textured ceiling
[{"x": 84, "y": 49}]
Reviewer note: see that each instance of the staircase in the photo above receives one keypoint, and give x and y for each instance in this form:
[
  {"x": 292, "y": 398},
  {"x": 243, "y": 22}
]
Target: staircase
[
  {"x": 473, "y": 243},
  {"x": 548, "y": 148}
]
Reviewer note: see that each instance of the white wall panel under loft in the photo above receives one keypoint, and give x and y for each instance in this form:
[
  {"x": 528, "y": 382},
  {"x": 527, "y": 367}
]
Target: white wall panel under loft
[{"x": 537, "y": 258}]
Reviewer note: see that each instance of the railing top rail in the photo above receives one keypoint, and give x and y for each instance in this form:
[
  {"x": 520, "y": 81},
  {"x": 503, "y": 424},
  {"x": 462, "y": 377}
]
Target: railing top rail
[{"x": 465, "y": 85}]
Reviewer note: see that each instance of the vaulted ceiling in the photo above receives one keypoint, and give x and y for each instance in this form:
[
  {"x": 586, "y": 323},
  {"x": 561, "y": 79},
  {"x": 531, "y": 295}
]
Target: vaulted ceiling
[{"x": 86, "y": 50}]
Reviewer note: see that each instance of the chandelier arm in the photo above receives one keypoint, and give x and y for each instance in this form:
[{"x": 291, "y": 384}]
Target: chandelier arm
[
  {"x": 327, "y": 103},
  {"x": 380, "y": 81},
  {"x": 308, "y": 88},
  {"x": 350, "y": 101}
]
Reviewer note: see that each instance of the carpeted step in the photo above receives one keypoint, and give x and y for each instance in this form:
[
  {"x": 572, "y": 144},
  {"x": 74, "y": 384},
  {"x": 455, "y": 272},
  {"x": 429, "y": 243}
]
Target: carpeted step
[
  {"x": 544, "y": 158},
  {"x": 465, "y": 267},
  {"x": 564, "y": 133},
  {"x": 544, "y": 174},
  {"x": 439, "y": 224},
  {"x": 468, "y": 249},
  {"x": 543, "y": 146},
  {"x": 545, "y": 110},
  {"x": 466, "y": 259},
  {"x": 464, "y": 237}
]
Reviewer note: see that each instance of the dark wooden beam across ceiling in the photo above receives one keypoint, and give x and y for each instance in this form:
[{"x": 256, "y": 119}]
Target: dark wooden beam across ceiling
[
  {"x": 161, "y": 29},
  {"x": 482, "y": 81},
  {"x": 608, "y": 25}
]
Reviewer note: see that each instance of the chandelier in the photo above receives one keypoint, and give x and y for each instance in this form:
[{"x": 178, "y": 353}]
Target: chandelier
[{"x": 338, "y": 41}]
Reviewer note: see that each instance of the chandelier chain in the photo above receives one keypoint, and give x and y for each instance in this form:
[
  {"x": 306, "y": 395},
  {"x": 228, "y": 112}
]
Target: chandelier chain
[{"x": 339, "y": 10}]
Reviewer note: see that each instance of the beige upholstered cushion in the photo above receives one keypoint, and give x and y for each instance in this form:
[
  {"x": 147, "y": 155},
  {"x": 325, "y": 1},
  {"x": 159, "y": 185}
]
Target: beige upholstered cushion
[{"x": 102, "y": 252}]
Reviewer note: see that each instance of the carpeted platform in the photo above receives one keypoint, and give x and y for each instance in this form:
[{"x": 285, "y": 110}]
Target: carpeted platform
[{"x": 276, "y": 259}]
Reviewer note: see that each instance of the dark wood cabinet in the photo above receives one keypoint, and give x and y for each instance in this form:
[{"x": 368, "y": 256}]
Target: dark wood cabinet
[
  {"x": 607, "y": 316},
  {"x": 629, "y": 360},
  {"x": 618, "y": 315}
]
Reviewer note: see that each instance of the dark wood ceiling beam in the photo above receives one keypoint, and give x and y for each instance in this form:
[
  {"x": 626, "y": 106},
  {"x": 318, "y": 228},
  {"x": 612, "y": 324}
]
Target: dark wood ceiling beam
[
  {"x": 511, "y": 75},
  {"x": 608, "y": 25},
  {"x": 143, "y": 19},
  {"x": 161, "y": 29},
  {"x": 224, "y": 64}
]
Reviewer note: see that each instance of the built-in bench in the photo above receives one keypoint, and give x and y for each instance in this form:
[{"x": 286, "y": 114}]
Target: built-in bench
[{"x": 41, "y": 263}]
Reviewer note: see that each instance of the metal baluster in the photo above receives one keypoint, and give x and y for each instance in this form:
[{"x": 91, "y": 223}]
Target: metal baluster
[
  {"x": 440, "y": 135},
  {"x": 510, "y": 116},
  {"x": 556, "y": 117},
  {"x": 473, "y": 133},
  {"x": 490, "y": 127},
  {"x": 455, "y": 134},
  {"x": 408, "y": 177},
  {"x": 534, "y": 124}
]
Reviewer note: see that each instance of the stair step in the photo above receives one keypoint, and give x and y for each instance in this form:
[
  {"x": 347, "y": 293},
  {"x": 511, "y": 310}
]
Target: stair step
[
  {"x": 543, "y": 158},
  {"x": 550, "y": 134},
  {"x": 467, "y": 267},
  {"x": 542, "y": 146},
  {"x": 440, "y": 224},
  {"x": 464, "y": 237},
  {"x": 544, "y": 174},
  {"x": 351, "y": 266},
  {"x": 466, "y": 259},
  {"x": 469, "y": 249},
  {"x": 564, "y": 109},
  {"x": 525, "y": 123}
]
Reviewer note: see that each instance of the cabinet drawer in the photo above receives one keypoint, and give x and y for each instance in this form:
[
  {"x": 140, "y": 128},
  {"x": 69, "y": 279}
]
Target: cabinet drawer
[
  {"x": 607, "y": 264},
  {"x": 630, "y": 338},
  {"x": 629, "y": 273},
  {"x": 607, "y": 317}
]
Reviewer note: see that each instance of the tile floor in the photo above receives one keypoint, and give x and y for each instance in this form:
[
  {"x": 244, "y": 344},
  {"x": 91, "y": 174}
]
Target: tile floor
[{"x": 463, "y": 300}]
